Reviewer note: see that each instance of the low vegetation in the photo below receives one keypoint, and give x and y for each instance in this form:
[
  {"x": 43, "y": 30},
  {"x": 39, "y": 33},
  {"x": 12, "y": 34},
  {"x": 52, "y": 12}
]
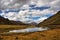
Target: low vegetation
[
  {"x": 6, "y": 28},
  {"x": 44, "y": 35}
]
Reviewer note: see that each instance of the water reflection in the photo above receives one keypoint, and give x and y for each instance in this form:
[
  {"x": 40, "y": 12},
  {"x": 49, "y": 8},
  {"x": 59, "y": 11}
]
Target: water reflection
[{"x": 29, "y": 30}]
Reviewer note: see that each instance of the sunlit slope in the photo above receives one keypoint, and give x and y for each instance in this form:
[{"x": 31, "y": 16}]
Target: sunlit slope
[{"x": 52, "y": 21}]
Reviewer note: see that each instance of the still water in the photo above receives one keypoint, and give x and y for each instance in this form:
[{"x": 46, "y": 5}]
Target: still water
[{"x": 29, "y": 30}]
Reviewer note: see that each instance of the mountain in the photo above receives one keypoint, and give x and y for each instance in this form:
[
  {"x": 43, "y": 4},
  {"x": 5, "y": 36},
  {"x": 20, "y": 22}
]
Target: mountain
[
  {"x": 53, "y": 21},
  {"x": 4, "y": 21},
  {"x": 6, "y": 25}
]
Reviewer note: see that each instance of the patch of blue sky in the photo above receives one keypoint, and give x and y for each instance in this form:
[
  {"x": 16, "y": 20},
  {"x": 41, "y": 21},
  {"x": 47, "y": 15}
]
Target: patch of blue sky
[
  {"x": 11, "y": 10},
  {"x": 35, "y": 18},
  {"x": 39, "y": 8},
  {"x": 38, "y": 17},
  {"x": 22, "y": 9},
  {"x": 0, "y": 11},
  {"x": 48, "y": 15},
  {"x": 32, "y": 5},
  {"x": 30, "y": 16}
]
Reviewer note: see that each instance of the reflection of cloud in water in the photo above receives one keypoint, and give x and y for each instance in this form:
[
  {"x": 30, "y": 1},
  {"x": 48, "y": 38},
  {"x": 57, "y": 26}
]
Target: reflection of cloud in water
[{"x": 29, "y": 30}]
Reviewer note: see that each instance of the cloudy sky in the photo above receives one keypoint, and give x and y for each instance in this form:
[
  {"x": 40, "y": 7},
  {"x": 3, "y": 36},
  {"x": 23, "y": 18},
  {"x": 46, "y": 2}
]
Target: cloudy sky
[{"x": 28, "y": 11}]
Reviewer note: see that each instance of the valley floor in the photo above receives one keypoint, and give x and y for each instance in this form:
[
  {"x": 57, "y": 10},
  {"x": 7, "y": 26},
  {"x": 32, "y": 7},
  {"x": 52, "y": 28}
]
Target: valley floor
[{"x": 53, "y": 34}]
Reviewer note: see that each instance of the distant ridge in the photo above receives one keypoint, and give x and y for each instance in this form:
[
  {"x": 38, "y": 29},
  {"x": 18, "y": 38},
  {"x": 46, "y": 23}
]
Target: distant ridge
[
  {"x": 4, "y": 21},
  {"x": 52, "y": 21}
]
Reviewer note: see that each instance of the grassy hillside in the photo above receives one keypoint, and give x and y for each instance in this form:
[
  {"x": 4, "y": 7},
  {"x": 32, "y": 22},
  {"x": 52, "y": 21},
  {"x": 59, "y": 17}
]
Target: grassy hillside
[{"x": 53, "y": 21}]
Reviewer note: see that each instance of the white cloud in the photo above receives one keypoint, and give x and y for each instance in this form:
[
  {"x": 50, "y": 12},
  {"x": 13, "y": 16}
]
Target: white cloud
[
  {"x": 41, "y": 2},
  {"x": 40, "y": 20},
  {"x": 55, "y": 5},
  {"x": 12, "y": 4},
  {"x": 21, "y": 15}
]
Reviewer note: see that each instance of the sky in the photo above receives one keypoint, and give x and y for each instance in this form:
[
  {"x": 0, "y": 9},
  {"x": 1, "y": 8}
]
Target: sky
[{"x": 28, "y": 11}]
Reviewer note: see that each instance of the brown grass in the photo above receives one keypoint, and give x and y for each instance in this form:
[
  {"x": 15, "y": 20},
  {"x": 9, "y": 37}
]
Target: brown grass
[
  {"x": 6, "y": 28},
  {"x": 45, "y": 35},
  {"x": 16, "y": 26}
]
